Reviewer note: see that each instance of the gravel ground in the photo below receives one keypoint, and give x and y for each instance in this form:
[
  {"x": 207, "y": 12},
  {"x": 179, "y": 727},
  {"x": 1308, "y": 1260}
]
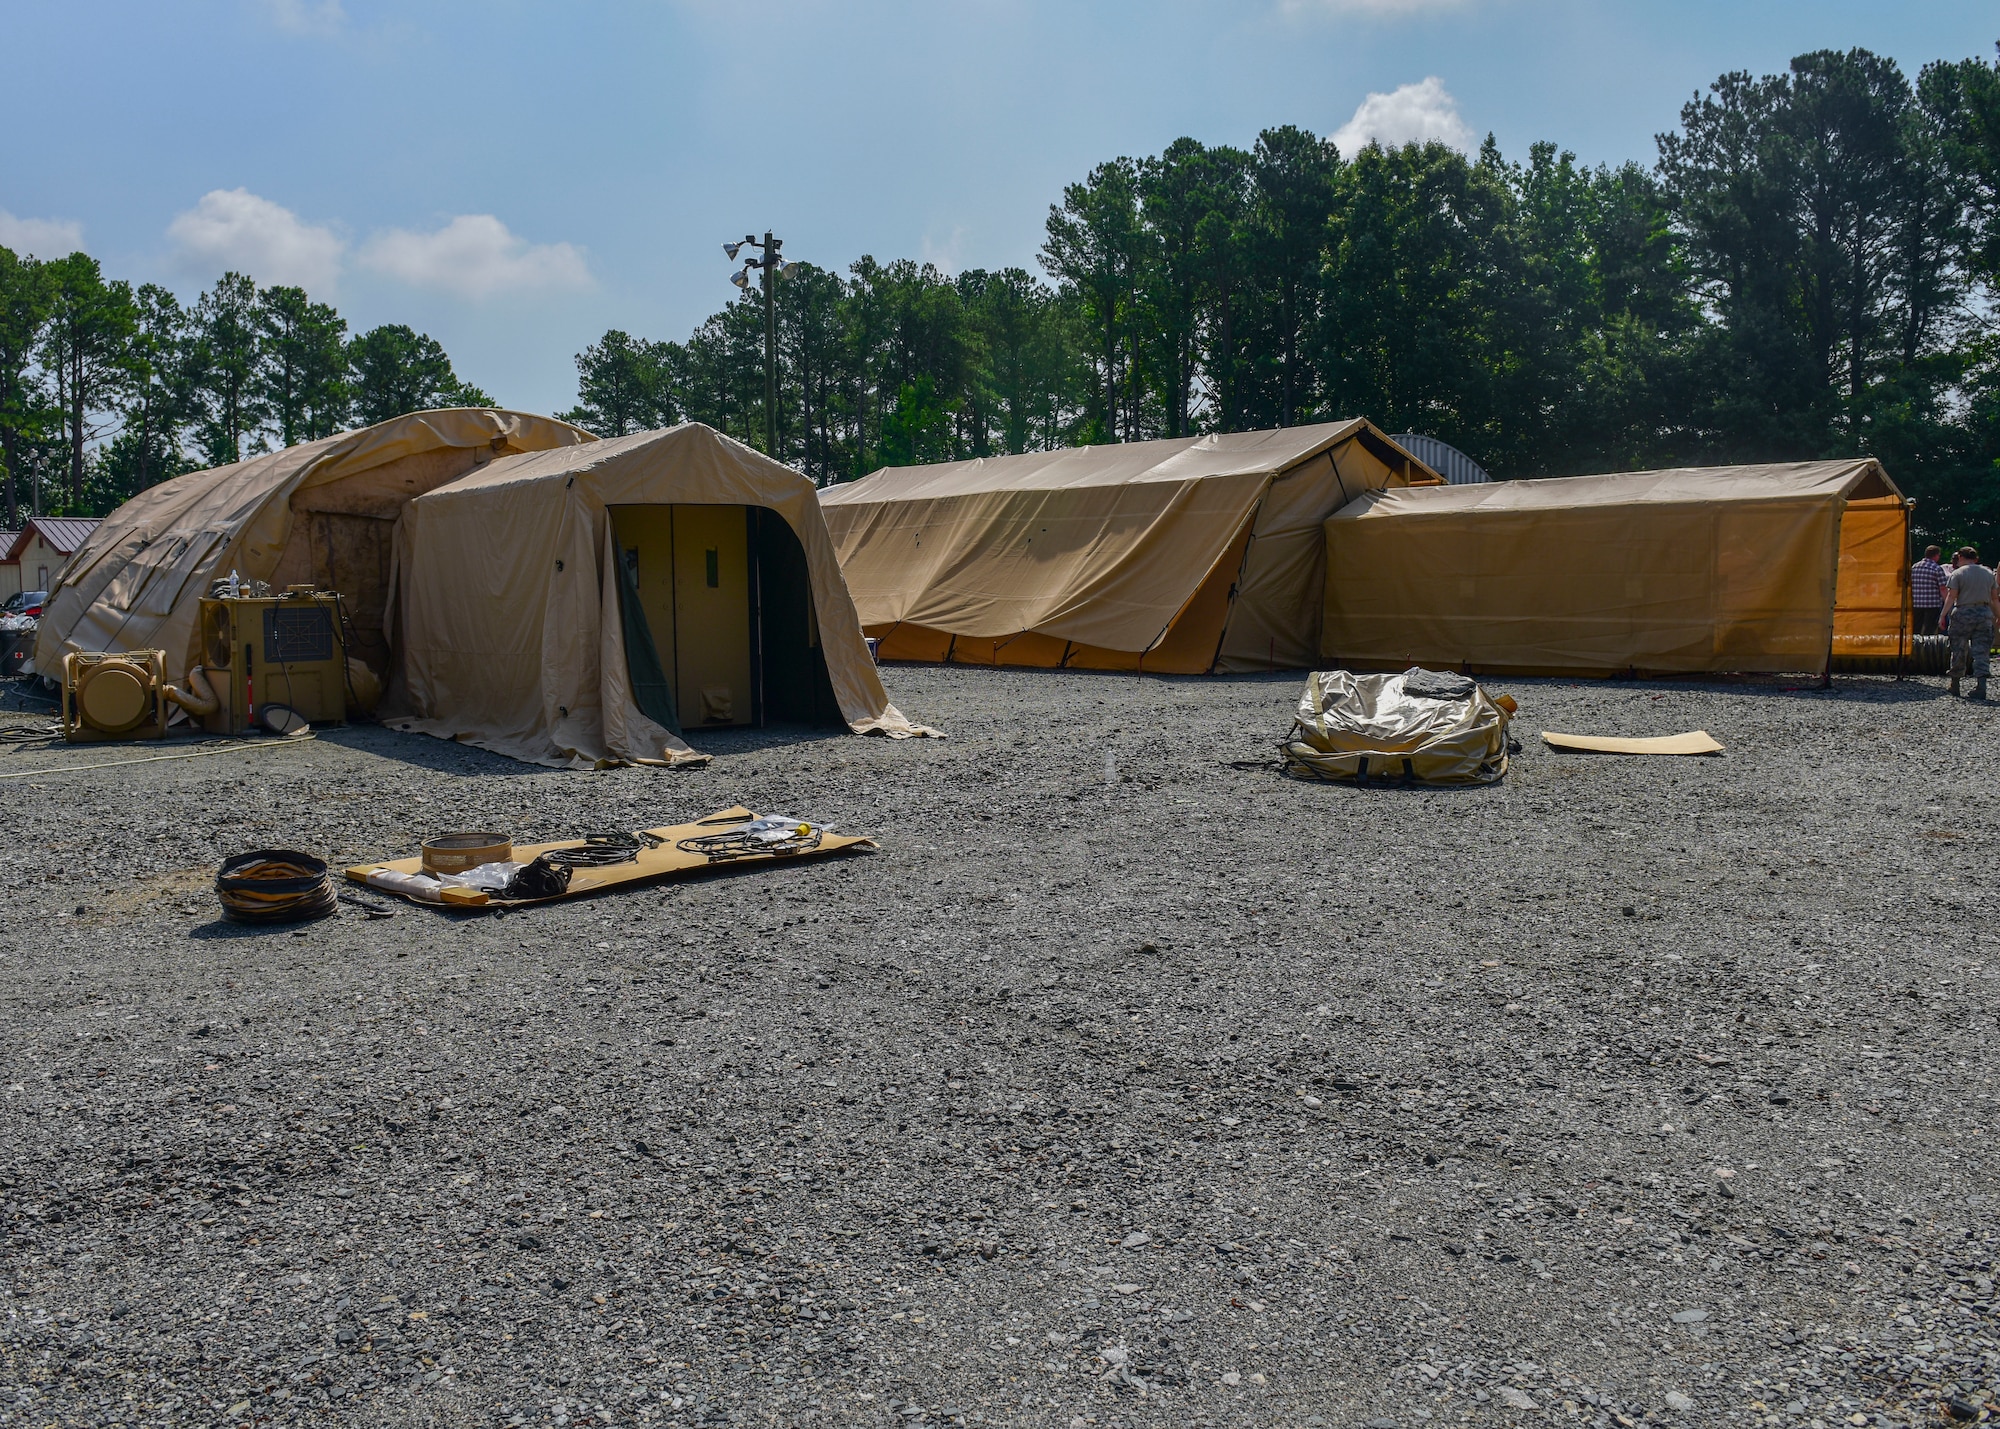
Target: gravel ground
[{"x": 1129, "y": 1084}]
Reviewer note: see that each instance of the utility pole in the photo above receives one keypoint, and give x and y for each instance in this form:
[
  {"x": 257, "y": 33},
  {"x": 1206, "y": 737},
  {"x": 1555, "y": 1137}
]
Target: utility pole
[{"x": 769, "y": 267}]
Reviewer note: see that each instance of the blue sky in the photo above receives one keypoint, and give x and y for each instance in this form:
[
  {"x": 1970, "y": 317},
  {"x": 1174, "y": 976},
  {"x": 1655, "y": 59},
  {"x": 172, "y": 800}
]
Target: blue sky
[{"x": 515, "y": 178}]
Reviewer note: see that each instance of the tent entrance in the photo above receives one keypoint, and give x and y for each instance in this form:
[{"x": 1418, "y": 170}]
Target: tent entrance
[{"x": 725, "y": 593}]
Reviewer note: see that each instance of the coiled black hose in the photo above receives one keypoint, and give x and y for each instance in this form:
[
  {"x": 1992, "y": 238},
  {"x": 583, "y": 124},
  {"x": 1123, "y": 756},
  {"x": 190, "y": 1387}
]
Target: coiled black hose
[{"x": 274, "y": 885}]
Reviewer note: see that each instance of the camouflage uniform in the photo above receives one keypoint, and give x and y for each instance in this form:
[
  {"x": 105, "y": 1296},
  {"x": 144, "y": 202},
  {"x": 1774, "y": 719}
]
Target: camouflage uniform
[{"x": 1971, "y": 641}]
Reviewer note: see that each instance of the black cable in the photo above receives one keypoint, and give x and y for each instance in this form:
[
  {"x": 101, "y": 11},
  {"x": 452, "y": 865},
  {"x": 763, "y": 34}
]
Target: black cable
[
  {"x": 548, "y": 876},
  {"x": 733, "y": 844}
]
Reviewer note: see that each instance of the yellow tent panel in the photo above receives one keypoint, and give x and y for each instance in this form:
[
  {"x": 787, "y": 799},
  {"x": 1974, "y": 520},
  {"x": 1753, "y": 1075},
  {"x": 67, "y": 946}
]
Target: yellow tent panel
[{"x": 1697, "y": 569}]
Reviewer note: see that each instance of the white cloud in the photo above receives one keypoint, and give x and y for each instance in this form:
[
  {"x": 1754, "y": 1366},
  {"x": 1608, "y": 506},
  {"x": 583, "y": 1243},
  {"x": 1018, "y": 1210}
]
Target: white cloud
[
  {"x": 1409, "y": 114},
  {"x": 235, "y": 229},
  {"x": 306, "y": 17},
  {"x": 475, "y": 256},
  {"x": 43, "y": 237}
]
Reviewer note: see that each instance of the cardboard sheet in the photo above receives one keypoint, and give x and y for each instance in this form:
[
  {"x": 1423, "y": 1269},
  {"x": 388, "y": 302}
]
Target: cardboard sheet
[
  {"x": 666, "y": 861},
  {"x": 1698, "y": 741}
]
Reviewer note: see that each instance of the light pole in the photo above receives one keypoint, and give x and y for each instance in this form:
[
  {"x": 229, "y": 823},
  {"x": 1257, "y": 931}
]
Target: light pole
[{"x": 769, "y": 267}]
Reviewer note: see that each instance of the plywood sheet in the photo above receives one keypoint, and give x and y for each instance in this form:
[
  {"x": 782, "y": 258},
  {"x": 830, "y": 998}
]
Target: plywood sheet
[
  {"x": 666, "y": 861},
  {"x": 1698, "y": 741}
]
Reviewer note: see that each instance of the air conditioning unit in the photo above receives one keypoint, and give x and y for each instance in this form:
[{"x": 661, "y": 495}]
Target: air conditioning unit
[
  {"x": 260, "y": 651},
  {"x": 114, "y": 696}
]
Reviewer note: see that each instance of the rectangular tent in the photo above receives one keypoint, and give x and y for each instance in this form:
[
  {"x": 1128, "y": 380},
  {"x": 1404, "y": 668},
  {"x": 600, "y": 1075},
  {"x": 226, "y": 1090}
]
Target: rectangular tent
[
  {"x": 1743, "y": 568},
  {"x": 1178, "y": 557},
  {"x": 601, "y": 602}
]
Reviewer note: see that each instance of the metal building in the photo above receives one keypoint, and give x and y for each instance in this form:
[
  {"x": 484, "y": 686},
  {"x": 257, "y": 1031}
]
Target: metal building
[{"x": 1443, "y": 458}]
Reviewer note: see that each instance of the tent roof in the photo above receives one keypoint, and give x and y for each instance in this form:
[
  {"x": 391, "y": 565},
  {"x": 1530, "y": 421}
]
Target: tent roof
[
  {"x": 694, "y": 449},
  {"x": 1675, "y": 486},
  {"x": 1176, "y": 459}
]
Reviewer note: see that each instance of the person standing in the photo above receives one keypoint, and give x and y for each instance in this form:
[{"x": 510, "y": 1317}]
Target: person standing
[
  {"x": 1927, "y": 594},
  {"x": 1971, "y": 608}
]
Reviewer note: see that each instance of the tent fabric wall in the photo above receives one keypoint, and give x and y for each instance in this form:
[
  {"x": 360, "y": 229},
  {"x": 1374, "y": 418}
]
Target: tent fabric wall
[
  {"x": 1687, "y": 570},
  {"x": 138, "y": 581},
  {"x": 1093, "y": 557},
  {"x": 1871, "y": 608},
  {"x": 506, "y": 617}
]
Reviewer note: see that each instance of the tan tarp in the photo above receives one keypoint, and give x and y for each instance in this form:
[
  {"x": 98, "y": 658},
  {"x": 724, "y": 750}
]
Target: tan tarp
[
  {"x": 321, "y": 512},
  {"x": 1688, "y": 570},
  {"x": 1363, "y": 728},
  {"x": 506, "y": 617},
  {"x": 1175, "y": 556}
]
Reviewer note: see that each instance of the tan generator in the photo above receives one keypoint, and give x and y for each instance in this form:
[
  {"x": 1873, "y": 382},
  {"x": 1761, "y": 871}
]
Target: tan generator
[
  {"x": 114, "y": 696},
  {"x": 262, "y": 651}
]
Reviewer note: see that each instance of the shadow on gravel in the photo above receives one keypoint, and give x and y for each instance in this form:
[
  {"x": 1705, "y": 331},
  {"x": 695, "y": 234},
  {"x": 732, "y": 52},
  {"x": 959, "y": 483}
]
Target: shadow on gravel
[
  {"x": 1877, "y": 689},
  {"x": 740, "y": 740},
  {"x": 222, "y": 930},
  {"x": 444, "y": 756}
]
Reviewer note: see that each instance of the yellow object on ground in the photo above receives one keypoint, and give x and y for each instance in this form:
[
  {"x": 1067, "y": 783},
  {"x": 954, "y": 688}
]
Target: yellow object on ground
[
  {"x": 664, "y": 861},
  {"x": 1180, "y": 556},
  {"x": 1753, "y": 568},
  {"x": 1365, "y": 729},
  {"x": 539, "y": 600},
  {"x": 1699, "y": 741},
  {"x": 321, "y": 512}
]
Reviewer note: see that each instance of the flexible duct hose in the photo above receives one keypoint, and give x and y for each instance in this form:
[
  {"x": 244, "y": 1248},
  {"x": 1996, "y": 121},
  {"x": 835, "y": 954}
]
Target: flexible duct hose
[{"x": 202, "y": 701}]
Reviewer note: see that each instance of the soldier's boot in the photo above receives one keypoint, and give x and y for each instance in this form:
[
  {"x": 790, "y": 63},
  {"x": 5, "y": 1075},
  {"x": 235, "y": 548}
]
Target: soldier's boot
[
  {"x": 1979, "y": 688},
  {"x": 1954, "y": 684}
]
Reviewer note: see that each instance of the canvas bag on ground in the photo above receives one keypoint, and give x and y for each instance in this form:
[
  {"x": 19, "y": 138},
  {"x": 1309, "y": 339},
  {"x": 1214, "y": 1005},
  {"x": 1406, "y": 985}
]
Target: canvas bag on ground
[{"x": 1417, "y": 727}]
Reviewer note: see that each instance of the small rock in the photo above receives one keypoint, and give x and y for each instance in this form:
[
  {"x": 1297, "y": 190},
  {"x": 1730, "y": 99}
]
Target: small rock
[
  {"x": 1514, "y": 1398},
  {"x": 1678, "y": 1402},
  {"x": 1689, "y": 1317},
  {"x": 1232, "y": 1377},
  {"x": 1135, "y": 1240},
  {"x": 1313, "y": 1103},
  {"x": 1128, "y": 1289}
]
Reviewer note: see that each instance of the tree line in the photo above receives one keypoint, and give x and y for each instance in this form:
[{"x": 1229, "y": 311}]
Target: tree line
[
  {"x": 107, "y": 389},
  {"x": 1807, "y": 269}
]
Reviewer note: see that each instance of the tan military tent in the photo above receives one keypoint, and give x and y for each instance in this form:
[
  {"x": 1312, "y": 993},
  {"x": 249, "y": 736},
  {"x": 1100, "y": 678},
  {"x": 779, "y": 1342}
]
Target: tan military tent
[
  {"x": 1749, "y": 568},
  {"x": 593, "y": 603},
  {"x": 322, "y": 512},
  {"x": 1180, "y": 556}
]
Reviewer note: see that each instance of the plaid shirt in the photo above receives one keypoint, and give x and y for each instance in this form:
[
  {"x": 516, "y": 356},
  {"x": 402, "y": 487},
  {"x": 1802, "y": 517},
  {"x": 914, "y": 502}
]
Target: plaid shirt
[{"x": 1926, "y": 584}]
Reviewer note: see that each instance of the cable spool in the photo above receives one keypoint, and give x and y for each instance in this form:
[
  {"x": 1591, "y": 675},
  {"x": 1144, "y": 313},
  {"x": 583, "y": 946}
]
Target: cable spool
[
  {"x": 458, "y": 853},
  {"x": 274, "y": 885}
]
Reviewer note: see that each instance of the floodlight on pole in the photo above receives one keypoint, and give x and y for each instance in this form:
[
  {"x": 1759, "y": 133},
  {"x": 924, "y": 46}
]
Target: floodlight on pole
[{"x": 769, "y": 266}]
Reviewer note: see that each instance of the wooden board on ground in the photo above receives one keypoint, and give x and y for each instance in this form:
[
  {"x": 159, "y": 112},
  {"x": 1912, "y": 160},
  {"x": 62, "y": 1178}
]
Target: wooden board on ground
[
  {"x": 1698, "y": 741},
  {"x": 664, "y": 861}
]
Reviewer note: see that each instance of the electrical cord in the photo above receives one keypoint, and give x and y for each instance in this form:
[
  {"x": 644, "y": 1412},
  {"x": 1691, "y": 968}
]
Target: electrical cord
[
  {"x": 549, "y": 874},
  {"x": 742, "y": 843},
  {"x": 274, "y": 885}
]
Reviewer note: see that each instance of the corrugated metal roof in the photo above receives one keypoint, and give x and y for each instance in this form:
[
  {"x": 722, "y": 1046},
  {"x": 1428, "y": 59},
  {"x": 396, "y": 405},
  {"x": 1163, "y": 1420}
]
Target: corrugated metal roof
[
  {"x": 65, "y": 533},
  {"x": 1443, "y": 458}
]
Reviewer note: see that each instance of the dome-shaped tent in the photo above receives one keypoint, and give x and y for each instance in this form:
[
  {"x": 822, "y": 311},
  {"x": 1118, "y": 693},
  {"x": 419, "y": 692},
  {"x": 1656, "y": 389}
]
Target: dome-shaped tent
[{"x": 322, "y": 512}]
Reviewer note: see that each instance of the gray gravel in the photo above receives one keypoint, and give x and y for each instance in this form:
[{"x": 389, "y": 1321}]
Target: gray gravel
[{"x": 1626, "y": 1089}]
